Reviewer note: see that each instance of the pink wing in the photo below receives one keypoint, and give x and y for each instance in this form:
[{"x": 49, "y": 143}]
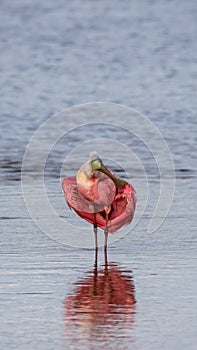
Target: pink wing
[
  {"x": 105, "y": 192},
  {"x": 73, "y": 198},
  {"x": 75, "y": 201},
  {"x": 122, "y": 207}
]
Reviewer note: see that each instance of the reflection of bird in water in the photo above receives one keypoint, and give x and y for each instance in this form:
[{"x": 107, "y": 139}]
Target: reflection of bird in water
[
  {"x": 104, "y": 297},
  {"x": 100, "y": 197}
]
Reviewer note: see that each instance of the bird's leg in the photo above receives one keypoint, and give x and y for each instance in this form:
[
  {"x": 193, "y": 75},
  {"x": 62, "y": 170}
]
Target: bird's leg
[
  {"x": 96, "y": 242},
  {"x": 105, "y": 244},
  {"x": 96, "y": 246},
  {"x": 106, "y": 237},
  {"x": 95, "y": 236}
]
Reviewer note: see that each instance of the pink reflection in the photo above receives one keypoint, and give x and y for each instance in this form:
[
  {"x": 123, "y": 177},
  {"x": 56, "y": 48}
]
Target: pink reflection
[{"x": 104, "y": 297}]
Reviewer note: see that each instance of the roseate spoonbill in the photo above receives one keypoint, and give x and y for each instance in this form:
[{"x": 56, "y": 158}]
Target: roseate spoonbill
[{"x": 100, "y": 197}]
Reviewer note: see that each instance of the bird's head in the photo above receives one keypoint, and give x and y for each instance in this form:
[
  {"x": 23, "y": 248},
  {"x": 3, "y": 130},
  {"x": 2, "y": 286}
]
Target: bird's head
[{"x": 97, "y": 165}]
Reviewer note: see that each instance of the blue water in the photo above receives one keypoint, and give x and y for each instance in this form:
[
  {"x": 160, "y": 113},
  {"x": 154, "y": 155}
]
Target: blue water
[{"x": 59, "y": 54}]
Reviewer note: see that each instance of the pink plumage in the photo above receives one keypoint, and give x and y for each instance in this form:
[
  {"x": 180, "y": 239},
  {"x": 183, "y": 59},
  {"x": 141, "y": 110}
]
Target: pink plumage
[
  {"x": 97, "y": 198},
  {"x": 122, "y": 206}
]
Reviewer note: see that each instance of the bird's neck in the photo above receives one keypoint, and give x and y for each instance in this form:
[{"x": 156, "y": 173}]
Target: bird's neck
[
  {"x": 87, "y": 179},
  {"x": 88, "y": 186}
]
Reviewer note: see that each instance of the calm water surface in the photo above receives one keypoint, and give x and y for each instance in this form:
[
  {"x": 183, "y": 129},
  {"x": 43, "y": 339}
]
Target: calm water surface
[{"x": 55, "y": 55}]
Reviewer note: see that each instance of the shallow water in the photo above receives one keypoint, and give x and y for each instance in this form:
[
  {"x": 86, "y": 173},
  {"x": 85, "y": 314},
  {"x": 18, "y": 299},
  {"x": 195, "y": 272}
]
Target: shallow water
[{"x": 55, "y": 55}]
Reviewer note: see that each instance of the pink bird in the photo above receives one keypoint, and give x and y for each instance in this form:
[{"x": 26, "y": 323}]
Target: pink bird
[{"x": 100, "y": 197}]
